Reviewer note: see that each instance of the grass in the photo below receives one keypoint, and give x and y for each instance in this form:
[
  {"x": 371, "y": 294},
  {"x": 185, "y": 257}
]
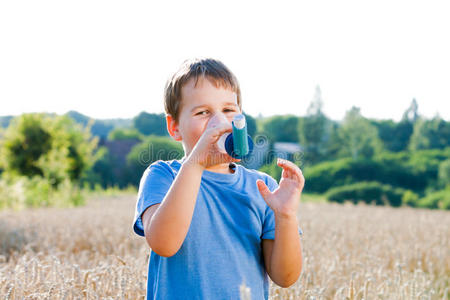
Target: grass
[
  {"x": 349, "y": 252},
  {"x": 315, "y": 198}
]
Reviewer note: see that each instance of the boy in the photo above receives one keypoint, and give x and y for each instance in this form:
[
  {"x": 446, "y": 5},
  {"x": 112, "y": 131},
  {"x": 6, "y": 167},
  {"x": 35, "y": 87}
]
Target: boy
[{"x": 213, "y": 225}]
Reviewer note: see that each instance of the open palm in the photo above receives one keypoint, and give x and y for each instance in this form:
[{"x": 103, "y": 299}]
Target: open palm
[{"x": 285, "y": 199}]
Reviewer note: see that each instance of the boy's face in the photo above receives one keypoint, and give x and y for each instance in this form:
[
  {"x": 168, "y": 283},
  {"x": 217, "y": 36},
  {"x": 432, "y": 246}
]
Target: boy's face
[{"x": 199, "y": 104}]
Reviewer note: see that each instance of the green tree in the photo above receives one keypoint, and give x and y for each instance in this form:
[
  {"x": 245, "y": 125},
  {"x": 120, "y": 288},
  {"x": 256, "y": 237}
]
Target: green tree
[
  {"x": 100, "y": 128},
  {"x": 402, "y": 135},
  {"x": 334, "y": 142},
  {"x": 103, "y": 172},
  {"x": 444, "y": 173},
  {"x": 281, "y": 128},
  {"x": 251, "y": 125},
  {"x": 314, "y": 130},
  {"x": 26, "y": 140},
  {"x": 148, "y": 124},
  {"x": 430, "y": 134},
  {"x": 359, "y": 138},
  {"x": 412, "y": 113},
  {"x": 395, "y": 136},
  {"x": 51, "y": 147},
  {"x": 124, "y": 134}
]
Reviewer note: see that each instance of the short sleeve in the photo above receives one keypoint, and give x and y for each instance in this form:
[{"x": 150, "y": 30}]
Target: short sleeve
[
  {"x": 269, "y": 217},
  {"x": 153, "y": 187}
]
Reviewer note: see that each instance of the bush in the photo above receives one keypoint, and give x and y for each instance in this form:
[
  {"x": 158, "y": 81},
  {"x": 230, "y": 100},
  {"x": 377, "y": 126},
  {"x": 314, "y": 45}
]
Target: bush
[
  {"x": 27, "y": 139},
  {"x": 326, "y": 175},
  {"x": 444, "y": 173},
  {"x": 435, "y": 200},
  {"x": 369, "y": 192},
  {"x": 425, "y": 164},
  {"x": 413, "y": 171},
  {"x": 21, "y": 192},
  {"x": 44, "y": 158},
  {"x": 52, "y": 147},
  {"x": 410, "y": 198}
]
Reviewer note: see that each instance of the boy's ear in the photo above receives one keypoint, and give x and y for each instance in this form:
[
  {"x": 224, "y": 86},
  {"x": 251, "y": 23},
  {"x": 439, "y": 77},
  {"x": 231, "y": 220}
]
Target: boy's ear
[{"x": 172, "y": 128}]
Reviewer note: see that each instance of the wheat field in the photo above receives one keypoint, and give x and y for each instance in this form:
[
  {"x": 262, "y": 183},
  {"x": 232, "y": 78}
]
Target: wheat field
[{"x": 349, "y": 252}]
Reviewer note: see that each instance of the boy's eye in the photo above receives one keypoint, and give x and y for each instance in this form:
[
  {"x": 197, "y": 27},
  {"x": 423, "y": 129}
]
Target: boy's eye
[{"x": 203, "y": 112}]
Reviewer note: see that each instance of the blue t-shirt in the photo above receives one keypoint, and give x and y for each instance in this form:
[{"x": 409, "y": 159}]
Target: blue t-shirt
[{"x": 222, "y": 248}]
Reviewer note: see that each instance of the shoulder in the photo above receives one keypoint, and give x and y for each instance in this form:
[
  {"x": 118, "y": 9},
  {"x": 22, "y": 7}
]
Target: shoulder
[
  {"x": 171, "y": 166},
  {"x": 165, "y": 168}
]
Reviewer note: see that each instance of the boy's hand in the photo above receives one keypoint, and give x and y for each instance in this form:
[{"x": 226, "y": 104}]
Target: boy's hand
[
  {"x": 206, "y": 152},
  {"x": 285, "y": 199}
]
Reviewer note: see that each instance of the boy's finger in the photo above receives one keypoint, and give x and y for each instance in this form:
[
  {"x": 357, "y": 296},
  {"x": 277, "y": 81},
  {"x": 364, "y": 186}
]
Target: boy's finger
[
  {"x": 263, "y": 189},
  {"x": 293, "y": 168},
  {"x": 224, "y": 127},
  {"x": 218, "y": 131},
  {"x": 290, "y": 173},
  {"x": 280, "y": 163},
  {"x": 285, "y": 173}
]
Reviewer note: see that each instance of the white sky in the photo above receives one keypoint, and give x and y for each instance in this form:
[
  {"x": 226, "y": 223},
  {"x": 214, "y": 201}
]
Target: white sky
[{"x": 110, "y": 59}]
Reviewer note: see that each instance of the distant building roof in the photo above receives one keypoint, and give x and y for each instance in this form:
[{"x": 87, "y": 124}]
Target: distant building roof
[{"x": 287, "y": 147}]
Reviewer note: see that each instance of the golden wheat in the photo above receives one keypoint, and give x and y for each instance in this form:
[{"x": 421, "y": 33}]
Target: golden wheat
[{"x": 350, "y": 252}]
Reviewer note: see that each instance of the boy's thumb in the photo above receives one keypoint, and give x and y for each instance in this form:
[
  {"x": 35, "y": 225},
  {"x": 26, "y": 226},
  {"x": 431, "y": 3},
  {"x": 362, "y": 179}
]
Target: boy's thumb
[{"x": 263, "y": 189}]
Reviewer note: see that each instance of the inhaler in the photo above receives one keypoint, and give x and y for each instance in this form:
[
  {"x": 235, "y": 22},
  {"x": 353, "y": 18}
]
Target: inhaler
[{"x": 238, "y": 144}]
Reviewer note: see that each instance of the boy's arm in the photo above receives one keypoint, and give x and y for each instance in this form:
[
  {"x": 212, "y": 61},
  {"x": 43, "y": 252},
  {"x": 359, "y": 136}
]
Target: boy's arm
[
  {"x": 283, "y": 256},
  {"x": 166, "y": 224}
]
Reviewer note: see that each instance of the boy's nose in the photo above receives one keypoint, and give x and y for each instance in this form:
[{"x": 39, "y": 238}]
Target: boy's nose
[{"x": 217, "y": 119}]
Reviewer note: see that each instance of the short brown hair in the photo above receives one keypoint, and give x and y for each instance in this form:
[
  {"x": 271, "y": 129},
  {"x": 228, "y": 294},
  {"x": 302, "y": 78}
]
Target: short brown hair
[{"x": 213, "y": 70}]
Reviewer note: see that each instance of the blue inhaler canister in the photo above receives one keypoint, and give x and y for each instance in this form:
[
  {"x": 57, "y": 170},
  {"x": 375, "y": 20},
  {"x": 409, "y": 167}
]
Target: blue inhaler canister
[{"x": 237, "y": 144}]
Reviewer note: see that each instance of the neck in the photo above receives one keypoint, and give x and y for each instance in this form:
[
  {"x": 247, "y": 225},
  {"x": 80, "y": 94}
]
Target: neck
[{"x": 220, "y": 168}]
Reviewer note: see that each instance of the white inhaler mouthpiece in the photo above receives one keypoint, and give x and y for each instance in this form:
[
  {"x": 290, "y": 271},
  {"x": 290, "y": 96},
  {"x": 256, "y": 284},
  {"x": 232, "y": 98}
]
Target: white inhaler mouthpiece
[
  {"x": 239, "y": 124},
  {"x": 221, "y": 142},
  {"x": 239, "y": 121},
  {"x": 215, "y": 121}
]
